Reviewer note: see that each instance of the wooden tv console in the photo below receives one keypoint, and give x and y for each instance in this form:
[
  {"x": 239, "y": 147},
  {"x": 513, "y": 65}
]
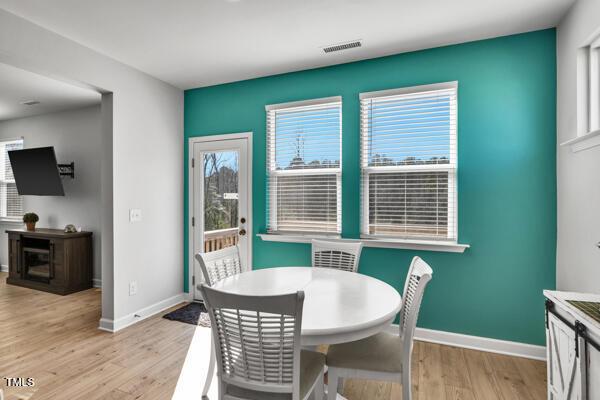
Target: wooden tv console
[{"x": 50, "y": 260}]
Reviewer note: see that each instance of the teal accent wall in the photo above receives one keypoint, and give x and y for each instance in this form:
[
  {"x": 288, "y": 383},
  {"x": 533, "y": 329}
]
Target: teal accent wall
[{"x": 506, "y": 174}]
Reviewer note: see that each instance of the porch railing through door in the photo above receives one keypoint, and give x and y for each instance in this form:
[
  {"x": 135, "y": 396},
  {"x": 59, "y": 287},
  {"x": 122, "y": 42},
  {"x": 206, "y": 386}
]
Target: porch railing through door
[{"x": 220, "y": 239}]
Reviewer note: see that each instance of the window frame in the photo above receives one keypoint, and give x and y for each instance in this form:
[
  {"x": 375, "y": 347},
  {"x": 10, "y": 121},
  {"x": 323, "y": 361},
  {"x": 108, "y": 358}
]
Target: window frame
[
  {"x": 587, "y": 130},
  {"x": 588, "y": 87},
  {"x": 271, "y": 164},
  {"x": 594, "y": 84},
  {"x": 451, "y": 168},
  {"x": 5, "y": 182}
]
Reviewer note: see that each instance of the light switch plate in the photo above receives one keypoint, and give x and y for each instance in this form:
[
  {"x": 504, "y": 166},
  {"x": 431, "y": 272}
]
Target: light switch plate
[{"x": 135, "y": 215}]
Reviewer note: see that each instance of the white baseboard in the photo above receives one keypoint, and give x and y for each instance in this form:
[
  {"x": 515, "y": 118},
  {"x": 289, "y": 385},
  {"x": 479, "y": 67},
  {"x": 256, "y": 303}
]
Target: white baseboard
[
  {"x": 3, "y": 268},
  {"x": 105, "y": 324},
  {"x": 422, "y": 334},
  {"x": 140, "y": 315},
  {"x": 479, "y": 343}
]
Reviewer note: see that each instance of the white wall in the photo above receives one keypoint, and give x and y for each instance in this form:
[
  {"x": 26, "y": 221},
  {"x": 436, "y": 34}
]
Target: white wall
[
  {"x": 578, "y": 258},
  {"x": 76, "y": 136},
  {"x": 144, "y": 169}
]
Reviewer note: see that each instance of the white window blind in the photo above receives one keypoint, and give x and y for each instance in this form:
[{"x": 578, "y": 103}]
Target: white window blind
[
  {"x": 304, "y": 166},
  {"x": 408, "y": 163},
  {"x": 11, "y": 204}
]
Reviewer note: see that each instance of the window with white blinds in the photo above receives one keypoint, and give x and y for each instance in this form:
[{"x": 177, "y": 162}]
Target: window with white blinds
[
  {"x": 11, "y": 204},
  {"x": 304, "y": 166},
  {"x": 408, "y": 163}
]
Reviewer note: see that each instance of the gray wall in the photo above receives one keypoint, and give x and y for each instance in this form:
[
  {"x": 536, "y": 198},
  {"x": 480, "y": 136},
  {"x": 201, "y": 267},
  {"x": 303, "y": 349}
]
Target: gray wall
[
  {"x": 76, "y": 136},
  {"x": 141, "y": 167},
  {"x": 578, "y": 174}
]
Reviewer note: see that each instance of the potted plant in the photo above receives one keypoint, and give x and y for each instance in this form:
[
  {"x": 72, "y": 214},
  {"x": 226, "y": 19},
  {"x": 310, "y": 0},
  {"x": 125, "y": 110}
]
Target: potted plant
[{"x": 30, "y": 219}]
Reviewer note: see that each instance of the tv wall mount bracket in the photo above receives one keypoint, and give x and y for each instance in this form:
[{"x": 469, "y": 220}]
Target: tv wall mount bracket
[{"x": 67, "y": 170}]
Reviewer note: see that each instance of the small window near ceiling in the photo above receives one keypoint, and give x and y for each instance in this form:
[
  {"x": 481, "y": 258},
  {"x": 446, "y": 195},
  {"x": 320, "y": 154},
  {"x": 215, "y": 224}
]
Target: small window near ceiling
[
  {"x": 588, "y": 87},
  {"x": 11, "y": 204},
  {"x": 304, "y": 167},
  {"x": 408, "y": 163}
]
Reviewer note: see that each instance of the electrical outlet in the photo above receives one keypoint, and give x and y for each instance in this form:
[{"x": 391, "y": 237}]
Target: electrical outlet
[
  {"x": 133, "y": 288},
  {"x": 135, "y": 215}
]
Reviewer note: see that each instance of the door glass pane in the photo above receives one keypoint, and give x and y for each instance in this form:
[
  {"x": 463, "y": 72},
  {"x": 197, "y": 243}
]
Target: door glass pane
[{"x": 220, "y": 200}]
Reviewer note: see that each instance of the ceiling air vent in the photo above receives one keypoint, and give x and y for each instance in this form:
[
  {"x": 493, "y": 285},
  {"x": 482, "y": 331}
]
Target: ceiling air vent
[
  {"x": 30, "y": 102},
  {"x": 342, "y": 46}
]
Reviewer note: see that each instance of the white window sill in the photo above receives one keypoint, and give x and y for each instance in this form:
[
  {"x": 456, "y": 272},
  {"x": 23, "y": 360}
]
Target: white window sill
[
  {"x": 589, "y": 140},
  {"x": 8, "y": 221},
  {"x": 426, "y": 245}
]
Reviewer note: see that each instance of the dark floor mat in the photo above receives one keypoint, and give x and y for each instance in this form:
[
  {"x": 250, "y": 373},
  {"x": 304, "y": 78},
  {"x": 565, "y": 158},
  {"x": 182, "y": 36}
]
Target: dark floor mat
[{"x": 193, "y": 313}]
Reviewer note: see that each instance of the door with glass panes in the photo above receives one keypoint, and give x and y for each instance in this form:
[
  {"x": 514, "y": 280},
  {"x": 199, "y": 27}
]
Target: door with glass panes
[{"x": 220, "y": 208}]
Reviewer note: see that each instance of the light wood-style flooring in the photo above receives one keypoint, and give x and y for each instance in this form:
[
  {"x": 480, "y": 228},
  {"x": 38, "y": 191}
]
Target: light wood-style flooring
[{"x": 55, "y": 340}]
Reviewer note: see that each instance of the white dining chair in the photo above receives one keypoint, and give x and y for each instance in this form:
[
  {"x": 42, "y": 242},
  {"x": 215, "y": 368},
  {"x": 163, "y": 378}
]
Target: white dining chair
[
  {"x": 258, "y": 342},
  {"x": 384, "y": 356},
  {"x": 217, "y": 265},
  {"x": 338, "y": 255},
  {"x": 220, "y": 264}
]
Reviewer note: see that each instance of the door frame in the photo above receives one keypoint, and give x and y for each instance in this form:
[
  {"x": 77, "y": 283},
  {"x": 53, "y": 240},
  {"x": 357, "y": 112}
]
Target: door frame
[{"x": 215, "y": 138}]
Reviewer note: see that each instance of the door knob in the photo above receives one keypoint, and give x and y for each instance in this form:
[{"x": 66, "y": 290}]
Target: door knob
[{"x": 242, "y": 232}]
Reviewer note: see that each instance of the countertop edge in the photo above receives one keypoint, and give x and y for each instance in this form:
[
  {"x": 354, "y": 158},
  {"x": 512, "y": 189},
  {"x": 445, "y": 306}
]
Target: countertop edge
[{"x": 560, "y": 297}]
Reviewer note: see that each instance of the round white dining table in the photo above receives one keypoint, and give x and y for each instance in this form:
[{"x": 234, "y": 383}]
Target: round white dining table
[{"x": 339, "y": 306}]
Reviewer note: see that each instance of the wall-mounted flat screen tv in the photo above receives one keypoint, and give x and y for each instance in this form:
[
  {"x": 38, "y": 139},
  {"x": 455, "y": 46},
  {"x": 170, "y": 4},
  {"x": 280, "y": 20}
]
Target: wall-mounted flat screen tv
[{"x": 36, "y": 172}]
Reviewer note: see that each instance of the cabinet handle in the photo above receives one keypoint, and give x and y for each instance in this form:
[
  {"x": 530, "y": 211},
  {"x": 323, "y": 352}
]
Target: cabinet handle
[
  {"x": 51, "y": 261},
  {"x": 18, "y": 260}
]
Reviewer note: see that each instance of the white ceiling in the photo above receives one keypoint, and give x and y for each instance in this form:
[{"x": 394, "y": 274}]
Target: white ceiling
[
  {"x": 192, "y": 43},
  {"x": 17, "y": 85}
]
